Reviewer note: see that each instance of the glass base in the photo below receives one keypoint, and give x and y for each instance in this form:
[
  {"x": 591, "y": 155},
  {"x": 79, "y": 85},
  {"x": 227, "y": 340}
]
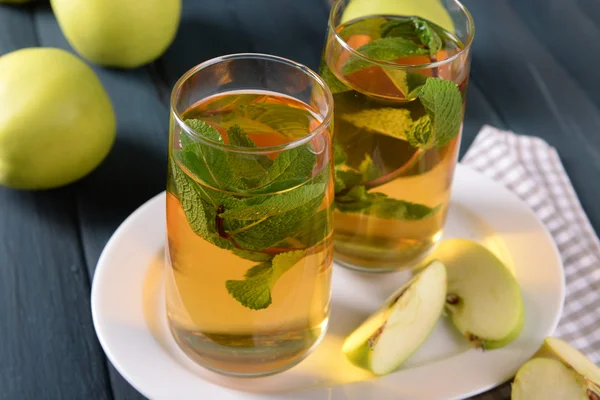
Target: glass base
[
  {"x": 250, "y": 367},
  {"x": 373, "y": 266}
]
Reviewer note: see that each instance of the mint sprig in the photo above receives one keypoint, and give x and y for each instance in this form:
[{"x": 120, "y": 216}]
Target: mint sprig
[
  {"x": 351, "y": 195},
  {"x": 383, "y": 49},
  {"x": 379, "y": 205},
  {"x": 417, "y": 30},
  {"x": 254, "y": 291},
  {"x": 253, "y": 224}
]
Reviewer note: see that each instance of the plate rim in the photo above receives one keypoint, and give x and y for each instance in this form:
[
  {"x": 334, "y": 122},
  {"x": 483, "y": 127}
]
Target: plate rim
[{"x": 142, "y": 209}]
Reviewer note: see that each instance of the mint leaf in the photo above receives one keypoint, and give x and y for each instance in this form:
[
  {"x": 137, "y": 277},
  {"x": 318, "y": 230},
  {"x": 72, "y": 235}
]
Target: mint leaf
[
  {"x": 358, "y": 200},
  {"x": 266, "y": 230},
  {"x": 387, "y": 208},
  {"x": 254, "y": 291},
  {"x": 415, "y": 29},
  {"x": 290, "y": 165},
  {"x": 443, "y": 102},
  {"x": 339, "y": 154},
  {"x": 197, "y": 210},
  {"x": 428, "y": 36},
  {"x": 384, "y": 49},
  {"x": 335, "y": 85},
  {"x": 247, "y": 168},
  {"x": 258, "y": 208},
  {"x": 368, "y": 170},
  {"x": 252, "y": 255},
  {"x": 348, "y": 179},
  {"x": 207, "y": 163},
  {"x": 266, "y": 118},
  {"x": 283, "y": 119},
  {"x": 388, "y": 121},
  {"x": 420, "y": 135},
  {"x": 355, "y": 200},
  {"x": 404, "y": 28}
]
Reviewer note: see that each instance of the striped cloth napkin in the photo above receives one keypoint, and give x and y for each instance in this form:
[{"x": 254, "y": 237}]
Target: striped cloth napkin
[{"x": 531, "y": 168}]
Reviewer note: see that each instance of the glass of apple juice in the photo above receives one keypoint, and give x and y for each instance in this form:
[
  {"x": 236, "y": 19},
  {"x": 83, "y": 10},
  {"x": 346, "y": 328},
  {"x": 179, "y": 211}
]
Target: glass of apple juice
[
  {"x": 399, "y": 84},
  {"x": 249, "y": 213}
]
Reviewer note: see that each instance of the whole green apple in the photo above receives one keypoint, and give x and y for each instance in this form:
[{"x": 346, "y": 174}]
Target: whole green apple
[
  {"x": 56, "y": 121},
  {"x": 119, "y": 33}
]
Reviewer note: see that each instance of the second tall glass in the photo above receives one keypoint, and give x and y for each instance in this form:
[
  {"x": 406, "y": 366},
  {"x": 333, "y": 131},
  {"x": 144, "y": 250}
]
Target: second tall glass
[{"x": 399, "y": 85}]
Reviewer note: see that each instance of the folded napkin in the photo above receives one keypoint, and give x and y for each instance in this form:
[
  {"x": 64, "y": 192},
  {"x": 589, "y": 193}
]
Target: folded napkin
[{"x": 531, "y": 168}]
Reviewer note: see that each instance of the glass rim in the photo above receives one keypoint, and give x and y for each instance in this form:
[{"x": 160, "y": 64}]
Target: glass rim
[
  {"x": 256, "y": 150},
  {"x": 388, "y": 64}
]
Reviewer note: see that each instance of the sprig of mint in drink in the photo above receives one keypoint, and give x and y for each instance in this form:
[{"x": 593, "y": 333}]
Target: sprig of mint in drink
[
  {"x": 231, "y": 208},
  {"x": 351, "y": 194}
]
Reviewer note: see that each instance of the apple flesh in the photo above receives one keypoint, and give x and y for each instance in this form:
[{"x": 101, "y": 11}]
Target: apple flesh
[
  {"x": 484, "y": 300},
  {"x": 545, "y": 378},
  {"x": 392, "y": 334},
  {"x": 572, "y": 358}
]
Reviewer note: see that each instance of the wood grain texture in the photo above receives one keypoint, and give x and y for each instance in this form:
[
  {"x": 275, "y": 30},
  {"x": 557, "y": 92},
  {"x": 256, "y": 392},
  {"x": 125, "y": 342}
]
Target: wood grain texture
[
  {"x": 535, "y": 95},
  {"x": 574, "y": 45},
  {"x": 48, "y": 349},
  {"x": 135, "y": 169}
]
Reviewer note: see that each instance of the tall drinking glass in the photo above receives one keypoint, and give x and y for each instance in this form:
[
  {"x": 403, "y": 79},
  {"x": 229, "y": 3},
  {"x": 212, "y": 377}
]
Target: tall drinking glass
[
  {"x": 249, "y": 213},
  {"x": 399, "y": 84}
]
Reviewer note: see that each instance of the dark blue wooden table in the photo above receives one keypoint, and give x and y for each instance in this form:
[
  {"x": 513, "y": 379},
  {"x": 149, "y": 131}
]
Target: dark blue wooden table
[{"x": 535, "y": 71}]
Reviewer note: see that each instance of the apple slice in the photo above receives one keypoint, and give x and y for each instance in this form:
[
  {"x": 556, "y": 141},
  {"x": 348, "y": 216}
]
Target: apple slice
[
  {"x": 392, "y": 334},
  {"x": 545, "y": 378},
  {"x": 562, "y": 351},
  {"x": 484, "y": 299}
]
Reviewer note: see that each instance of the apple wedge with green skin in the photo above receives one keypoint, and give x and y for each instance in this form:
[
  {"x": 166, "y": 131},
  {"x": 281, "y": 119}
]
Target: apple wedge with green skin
[
  {"x": 484, "y": 300},
  {"x": 392, "y": 334},
  {"x": 545, "y": 378},
  {"x": 572, "y": 358}
]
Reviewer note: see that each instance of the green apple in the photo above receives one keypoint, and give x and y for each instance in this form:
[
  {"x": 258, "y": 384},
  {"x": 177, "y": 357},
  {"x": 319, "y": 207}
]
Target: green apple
[
  {"x": 561, "y": 351},
  {"x": 56, "y": 121},
  {"x": 118, "y": 33},
  {"x": 484, "y": 299},
  {"x": 392, "y": 334},
  {"x": 431, "y": 10},
  {"x": 545, "y": 379}
]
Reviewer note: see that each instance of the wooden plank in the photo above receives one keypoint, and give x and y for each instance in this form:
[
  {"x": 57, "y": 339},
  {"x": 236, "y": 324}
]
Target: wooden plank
[
  {"x": 535, "y": 95},
  {"x": 212, "y": 28},
  {"x": 48, "y": 347},
  {"x": 135, "y": 169},
  {"x": 570, "y": 34}
]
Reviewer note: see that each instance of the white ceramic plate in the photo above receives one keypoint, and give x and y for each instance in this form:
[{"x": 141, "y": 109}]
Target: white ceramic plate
[{"x": 129, "y": 314}]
